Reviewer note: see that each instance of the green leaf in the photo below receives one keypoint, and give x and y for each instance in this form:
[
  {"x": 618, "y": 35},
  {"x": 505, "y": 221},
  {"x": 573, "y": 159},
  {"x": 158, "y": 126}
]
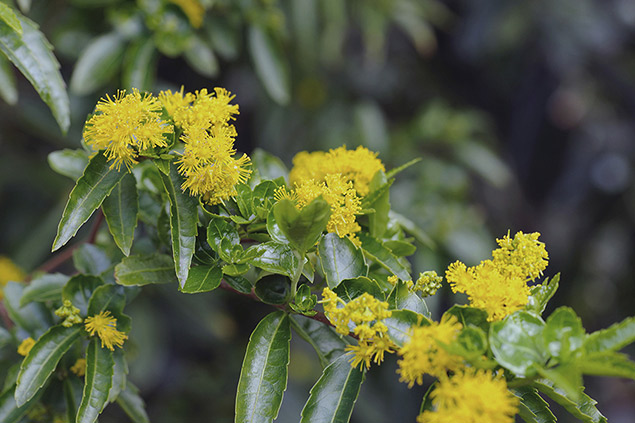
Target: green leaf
[
  {"x": 583, "y": 409},
  {"x": 10, "y": 18},
  {"x": 567, "y": 377},
  {"x": 607, "y": 364},
  {"x": 516, "y": 342},
  {"x": 120, "y": 209},
  {"x": 400, "y": 248},
  {"x": 378, "y": 220},
  {"x": 89, "y": 192},
  {"x": 98, "y": 381},
  {"x": 32, "y": 54},
  {"x": 613, "y": 338},
  {"x": 563, "y": 333},
  {"x": 263, "y": 378},
  {"x": 39, "y": 364},
  {"x": 119, "y": 375},
  {"x": 34, "y": 318},
  {"x": 107, "y": 297},
  {"x": 145, "y": 269},
  {"x": 350, "y": 289},
  {"x": 8, "y": 84},
  {"x": 222, "y": 236},
  {"x": 139, "y": 65},
  {"x": 238, "y": 283},
  {"x": 467, "y": 315},
  {"x": 374, "y": 249},
  {"x": 79, "y": 289},
  {"x": 302, "y": 227},
  {"x": 400, "y": 323},
  {"x": 201, "y": 57},
  {"x": 340, "y": 259},
  {"x": 73, "y": 388},
  {"x": 541, "y": 294},
  {"x": 268, "y": 165},
  {"x": 91, "y": 259},
  {"x": 470, "y": 343},
  {"x": 328, "y": 344},
  {"x": 132, "y": 404},
  {"x": 270, "y": 64},
  {"x": 235, "y": 269},
  {"x": 97, "y": 63},
  {"x": 274, "y": 230},
  {"x": 401, "y": 298},
  {"x": 68, "y": 162},
  {"x": 333, "y": 396},
  {"x": 244, "y": 200},
  {"x": 202, "y": 279},
  {"x": 47, "y": 287},
  {"x": 392, "y": 172},
  {"x": 9, "y": 410},
  {"x": 273, "y": 289},
  {"x": 532, "y": 408},
  {"x": 276, "y": 258},
  {"x": 183, "y": 221}
]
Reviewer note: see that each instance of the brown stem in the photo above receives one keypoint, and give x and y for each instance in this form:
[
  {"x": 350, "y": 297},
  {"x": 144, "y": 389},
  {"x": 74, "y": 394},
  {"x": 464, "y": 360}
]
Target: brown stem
[{"x": 6, "y": 320}]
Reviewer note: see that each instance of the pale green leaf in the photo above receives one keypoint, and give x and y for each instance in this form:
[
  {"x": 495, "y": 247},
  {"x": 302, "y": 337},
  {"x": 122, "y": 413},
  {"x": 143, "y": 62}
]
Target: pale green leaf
[
  {"x": 97, "y": 64},
  {"x": 145, "y": 269},
  {"x": 202, "y": 279},
  {"x": 120, "y": 209},
  {"x": 270, "y": 64},
  {"x": 340, "y": 259},
  {"x": 98, "y": 381}
]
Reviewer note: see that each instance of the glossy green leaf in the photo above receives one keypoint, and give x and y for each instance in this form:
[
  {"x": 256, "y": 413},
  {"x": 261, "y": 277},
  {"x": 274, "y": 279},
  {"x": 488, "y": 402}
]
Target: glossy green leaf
[
  {"x": 139, "y": 65},
  {"x": 327, "y": 343},
  {"x": 119, "y": 375},
  {"x": 235, "y": 269},
  {"x": 73, "y": 388},
  {"x": 238, "y": 283},
  {"x": 340, "y": 259},
  {"x": 32, "y": 54},
  {"x": 69, "y": 162},
  {"x": 613, "y": 338},
  {"x": 8, "y": 16},
  {"x": 263, "y": 378},
  {"x": 201, "y": 57},
  {"x": 34, "y": 318},
  {"x": 333, "y": 396},
  {"x": 400, "y": 248},
  {"x": 268, "y": 165},
  {"x": 516, "y": 342},
  {"x": 583, "y": 409},
  {"x": 566, "y": 377},
  {"x": 276, "y": 258},
  {"x": 274, "y": 230},
  {"x": 244, "y": 200},
  {"x": 79, "y": 289},
  {"x": 222, "y": 236},
  {"x": 302, "y": 227},
  {"x": 91, "y": 259},
  {"x": 376, "y": 251},
  {"x": 467, "y": 315},
  {"x": 270, "y": 64},
  {"x": 401, "y": 298},
  {"x": 400, "y": 323},
  {"x": 273, "y": 289},
  {"x": 120, "y": 209},
  {"x": 132, "y": 404},
  {"x": 183, "y": 221},
  {"x": 42, "y": 360},
  {"x": 202, "y": 279},
  {"x": 145, "y": 269},
  {"x": 47, "y": 287},
  {"x": 98, "y": 381},
  {"x": 470, "y": 343},
  {"x": 532, "y": 408},
  {"x": 350, "y": 289},
  {"x": 97, "y": 64},
  {"x": 8, "y": 83},
  {"x": 607, "y": 364},
  {"x": 542, "y": 293},
  {"x": 89, "y": 192},
  {"x": 9, "y": 410},
  {"x": 378, "y": 220},
  {"x": 107, "y": 297},
  {"x": 563, "y": 333}
]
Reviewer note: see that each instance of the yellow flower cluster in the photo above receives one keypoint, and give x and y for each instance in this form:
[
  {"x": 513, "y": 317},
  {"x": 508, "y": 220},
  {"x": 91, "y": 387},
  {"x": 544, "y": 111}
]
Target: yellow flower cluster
[
  {"x": 69, "y": 313},
  {"x": 79, "y": 368},
  {"x": 499, "y": 286},
  {"x": 208, "y": 162},
  {"x": 25, "y": 346},
  {"x": 422, "y": 354},
  {"x": 9, "y": 272},
  {"x": 471, "y": 396},
  {"x": 193, "y": 9},
  {"x": 105, "y": 325},
  {"x": 366, "y": 314},
  {"x": 126, "y": 126}
]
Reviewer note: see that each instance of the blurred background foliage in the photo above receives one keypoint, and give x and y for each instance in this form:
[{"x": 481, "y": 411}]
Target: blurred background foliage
[{"x": 520, "y": 111}]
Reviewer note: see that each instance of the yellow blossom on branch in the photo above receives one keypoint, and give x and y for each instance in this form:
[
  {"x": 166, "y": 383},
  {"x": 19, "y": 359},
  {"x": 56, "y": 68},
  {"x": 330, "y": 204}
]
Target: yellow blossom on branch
[
  {"x": 25, "y": 346},
  {"x": 9, "y": 272},
  {"x": 79, "y": 368},
  {"x": 105, "y": 325},
  {"x": 471, "y": 396},
  {"x": 523, "y": 255},
  {"x": 193, "y": 9}
]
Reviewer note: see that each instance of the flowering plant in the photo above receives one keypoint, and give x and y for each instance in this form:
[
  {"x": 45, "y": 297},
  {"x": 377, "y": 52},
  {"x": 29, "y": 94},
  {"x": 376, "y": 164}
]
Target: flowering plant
[{"x": 320, "y": 244}]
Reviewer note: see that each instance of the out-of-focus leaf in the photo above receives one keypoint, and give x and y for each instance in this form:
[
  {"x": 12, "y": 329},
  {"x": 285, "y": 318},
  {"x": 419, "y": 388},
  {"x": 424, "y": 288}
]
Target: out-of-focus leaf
[
  {"x": 273, "y": 289},
  {"x": 613, "y": 338},
  {"x": 79, "y": 289},
  {"x": 327, "y": 343},
  {"x": 583, "y": 408},
  {"x": 73, "y": 388},
  {"x": 42, "y": 360},
  {"x": 349, "y": 289},
  {"x": 484, "y": 162},
  {"x": 563, "y": 333},
  {"x": 120, "y": 209},
  {"x": 268, "y": 165},
  {"x": 99, "y": 370},
  {"x": 44, "y": 288},
  {"x": 202, "y": 279},
  {"x": 263, "y": 377},
  {"x": 400, "y": 323},
  {"x": 8, "y": 85},
  {"x": 401, "y": 298},
  {"x": 9, "y": 17},
  {"x": 382, "y": 255},
  {"x": 139, "y": 65},
  {"x": 333, "y": 396},
  {"x": 119, "y": 375},
  {"x": 130, "y": 402},
  {"x": 566, "y": 377},
  {"x": 34, "y": 318},
  {"x": 9, "y": 410},
  {"x": 467, "y": 315},
  {"x": 97, "y": 64},
  {"x": 32, "y": 54},
  {"x": 541, "y": 294},
  {"x": 200, "y": 56},
  {"x": 607, "y": 364},
  {"x": 532, "y": 408},
  {"x": 89, "y": 192},
  {"x": 340, "y": 259},
  {"x": 145, "y": 269},
  {"x": 225, "y": 39},
  {"x": 270, "y": 64},
  {"x": 68, "y": 162},
  {"x": 91, "y": 259},
  {"x": 302, "y": 227}
]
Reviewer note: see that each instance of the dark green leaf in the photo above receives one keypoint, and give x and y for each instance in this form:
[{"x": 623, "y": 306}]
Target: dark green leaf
[
  {"x": 73, "y": 388},
  {"x": 583, "y": 409},
  {"x": 42, "y": 360},
  {"x": 145, "y": 269},
  {"x": 107, "y": 297},
  {"x": 222, "y": 236},
  {"x": 333, "y": 396},
  {"x": 120, "y": 209},
  {"x": 97, "y": 64},
  {"x": 382, "y": 255},
  {"x": 139, "y": 65},
  {"x": 274, "y": 230},
  {"x": 378, "y": 220},
  {"x": 34, "y": 318},
  {"x": 235, "y": 269},
  {"x": 79, "y": 289},
  {"x": 401, "y": 298},
  {"x": 276, "y": 258},
  {"x": 541, "y": 294},
  {"x": 32, "y": 54},
  {"x": 532, "y": 408},
  {"x": 563, "y": 333},
  {"x": 91, "y": 259},
  {"x": 9, "y": 410},
  {"x": 183, "y": 221},
  {"x": 516, "y": 342},
  {"x": 302, "y": 227},
  {"x": 9, "y": 17},
  {"x": 467, "y": 315},
  {"x": 273, "y": 289},
  {"x": 68, "y": 162},
  {"x": 44, "y": 288},
  {"x": 89, "y": 192},
  {"x": 350, "y": 289},
  {"x": 607, "y": 364},
  {"x": 270, "y": 64},
  {"x": 327, "y": 343},
  {"x": 244, "y": 200},
  {"x": 119, "y": 375},
  {"x": 130, "y": 402},
  {"x": 8, "y": 84},
  {"x": 202, "y": 279},
  {"x": 400, "y": 323},
  {"x": 614, "y": 338},
  {"x": 268, "y": 165},
  {"x": 400, "y": 248},
  {"x": 238, "y": 283},
  {"x": 99, "y": 370},
  {"x": 263, "y": 378},
  {"x": 201, "y": 57},
  {"x": 340, "y": 259}
]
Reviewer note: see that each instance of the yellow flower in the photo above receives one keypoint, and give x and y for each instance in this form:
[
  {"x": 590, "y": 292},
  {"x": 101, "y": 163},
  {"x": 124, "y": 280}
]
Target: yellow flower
[
  {"x": 428, "y": 283},
  {"x": 176, "y": 104},
  {"x": 471, "y": 396},
  {"x": 9, "y": 272},
  {"x": 105, "y": 325},
  {"x": 193, "y": 9},
  {"x": 125, "y": 126},
  {"x": 79, "y": 368},
  {"x": 523, "y": 255},
  {"x": 26, "y": 346},
  {"x": 422, "y": 353}
]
